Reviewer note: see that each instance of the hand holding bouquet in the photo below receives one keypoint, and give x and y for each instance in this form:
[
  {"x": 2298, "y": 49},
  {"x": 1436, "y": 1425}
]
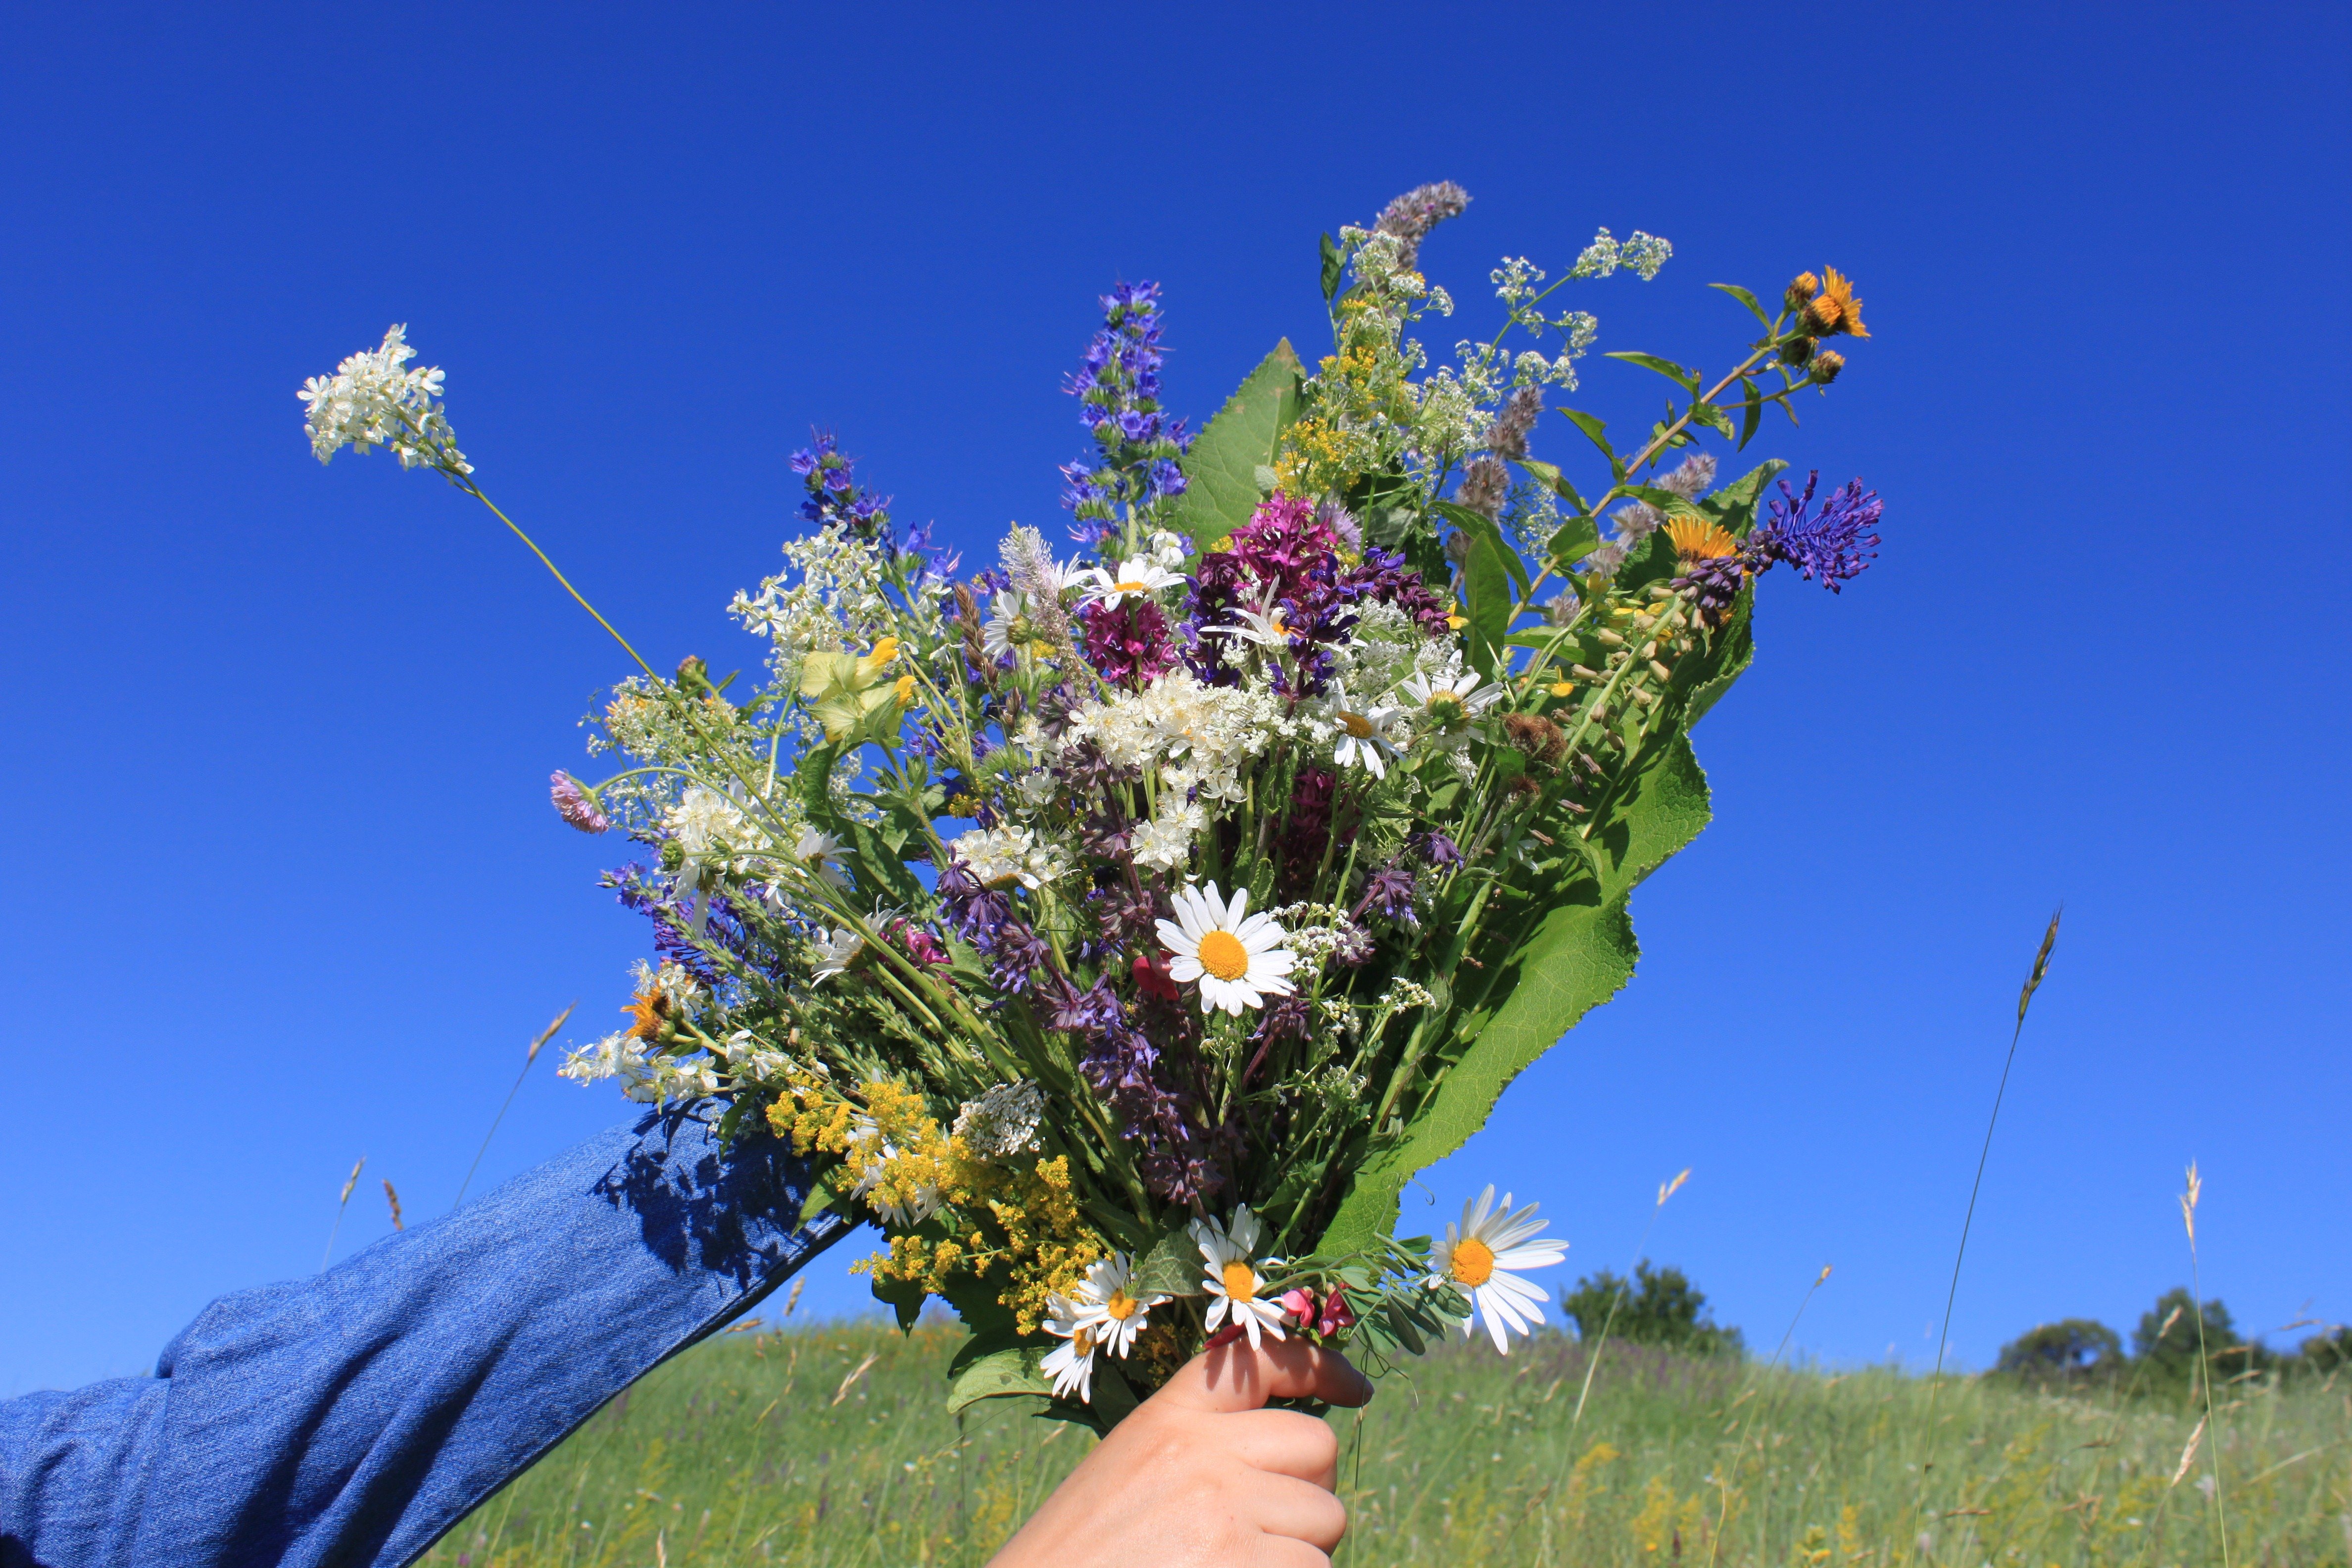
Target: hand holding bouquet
[{"x": 1119, "y": 933}]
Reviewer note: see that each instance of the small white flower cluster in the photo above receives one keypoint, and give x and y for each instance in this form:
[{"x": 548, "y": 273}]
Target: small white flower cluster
[
  {"x": 1197, "y": 736},
  {"x": 838, "y": 605},
  {"x": 1001, "y": 856},
  {"x": 1642, "y": 254},
  {"x": 1002, "y": 1121},
  {"x": 1165, "y": 842},
  {"x": 373, "y": 400},
  {"x": 1320, "y": 933}
]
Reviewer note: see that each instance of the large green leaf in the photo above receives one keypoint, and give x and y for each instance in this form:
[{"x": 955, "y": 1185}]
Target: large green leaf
[
  {"x": 1573, "y": 955},
  {"x": 1221, "y": 488},
  {"x": 997, "y": 1366},
  {"x": 1734, "y": 506}
]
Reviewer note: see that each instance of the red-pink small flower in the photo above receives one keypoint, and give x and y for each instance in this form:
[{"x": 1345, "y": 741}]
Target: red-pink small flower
[{"x": 1300, "y": 1303}]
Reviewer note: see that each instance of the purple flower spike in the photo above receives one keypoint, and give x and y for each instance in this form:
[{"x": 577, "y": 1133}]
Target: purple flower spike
[
  {"x": 572, "y": 804},
  {"x": 1830, "y": 546}
]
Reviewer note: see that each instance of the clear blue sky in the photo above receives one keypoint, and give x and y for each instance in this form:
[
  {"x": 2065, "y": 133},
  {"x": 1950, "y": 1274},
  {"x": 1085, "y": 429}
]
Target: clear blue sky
[{"x": 287, "y": 888}]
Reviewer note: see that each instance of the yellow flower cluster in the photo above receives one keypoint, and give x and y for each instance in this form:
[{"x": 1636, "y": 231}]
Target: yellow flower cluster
[
  {"x": 1018, "y": 1224},
  {"x": 1363, "y": 390}
]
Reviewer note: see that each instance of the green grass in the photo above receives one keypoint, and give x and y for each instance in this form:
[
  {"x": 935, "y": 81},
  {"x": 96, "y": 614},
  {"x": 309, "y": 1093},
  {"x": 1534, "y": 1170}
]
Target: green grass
[{"x": 740, "y": 1453}]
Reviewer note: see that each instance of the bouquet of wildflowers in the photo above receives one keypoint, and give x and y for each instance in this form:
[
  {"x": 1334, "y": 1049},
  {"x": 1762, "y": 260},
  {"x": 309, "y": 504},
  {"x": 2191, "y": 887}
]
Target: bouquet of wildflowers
[{"x": 1120, "y": 930}]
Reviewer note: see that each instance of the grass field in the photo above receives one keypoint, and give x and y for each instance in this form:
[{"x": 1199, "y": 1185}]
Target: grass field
[{"x": 831, "y": 1445}]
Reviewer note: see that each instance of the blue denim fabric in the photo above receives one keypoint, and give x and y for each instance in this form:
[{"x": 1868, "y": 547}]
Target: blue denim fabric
[{"x": 353, "y": 1417}]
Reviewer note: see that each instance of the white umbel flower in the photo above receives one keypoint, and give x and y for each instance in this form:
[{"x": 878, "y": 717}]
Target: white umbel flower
[
  {"x": 1138, "y": 577},
  {"x": 1230, "y": 1276},
  {"x": 1364, "y": 730},
  {"x": 1107, "y": 1305},
  {"x": 1447, "y": 709},
  {"x": 1239, "y": 958},
  {"x": 373, "y": 400},
  {"x": 1070, "y": 1364},
  {"x": 1481, "y": 1258}
]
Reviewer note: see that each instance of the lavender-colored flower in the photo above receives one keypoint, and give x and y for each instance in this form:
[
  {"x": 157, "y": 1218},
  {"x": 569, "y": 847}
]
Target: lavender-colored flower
[
  {"x": 1517, "y": 422},
  {"x": 1436, "y": 848},
  {"x": 975, "y": 911},
  {"x": 573, "y": 804},
  {"x": 1020, "y": 953},
  {"x": 1830, "y": 546},
  {"x": 1390, "y": 892},
  {"x": 1412, "y": 216},
  {"x": 834, "y": 497},
  {"x": 1118, "y": 387}
]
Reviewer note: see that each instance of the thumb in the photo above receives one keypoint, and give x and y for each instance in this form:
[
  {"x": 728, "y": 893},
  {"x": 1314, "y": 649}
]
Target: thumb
[{"x": 1239, "y": 1376}]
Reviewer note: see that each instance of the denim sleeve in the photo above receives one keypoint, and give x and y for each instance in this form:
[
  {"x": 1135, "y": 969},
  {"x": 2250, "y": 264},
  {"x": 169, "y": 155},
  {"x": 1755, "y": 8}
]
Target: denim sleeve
[{"x": 354, "y": 1417}]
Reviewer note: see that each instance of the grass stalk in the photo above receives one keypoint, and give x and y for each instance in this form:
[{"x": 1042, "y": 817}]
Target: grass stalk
[{"x": 529, "y": 1057}]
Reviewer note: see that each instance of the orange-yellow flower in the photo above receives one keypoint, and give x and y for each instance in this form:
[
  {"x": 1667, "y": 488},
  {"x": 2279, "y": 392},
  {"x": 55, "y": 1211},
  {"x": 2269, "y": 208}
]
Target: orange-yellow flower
[{"x": 1695, "y": 540}]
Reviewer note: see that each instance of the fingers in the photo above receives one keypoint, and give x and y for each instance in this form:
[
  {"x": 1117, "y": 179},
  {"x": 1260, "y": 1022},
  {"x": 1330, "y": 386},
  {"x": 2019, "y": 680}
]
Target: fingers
[
  {"x": 1285, "y": 1442},
  {"x": 1302, "y": 1511},
  {"x": 1240, "y": 1377},
  {"x": 1285, "y": 1551}
]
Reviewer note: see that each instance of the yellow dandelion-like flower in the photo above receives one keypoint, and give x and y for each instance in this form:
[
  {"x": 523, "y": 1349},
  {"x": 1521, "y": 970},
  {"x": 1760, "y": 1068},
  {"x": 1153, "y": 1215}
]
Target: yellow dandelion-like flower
[{"x": 1695, "y": 540}]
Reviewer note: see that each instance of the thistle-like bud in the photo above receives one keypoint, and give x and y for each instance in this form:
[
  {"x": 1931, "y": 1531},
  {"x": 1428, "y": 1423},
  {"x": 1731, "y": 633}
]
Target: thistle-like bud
[
  {"x": 1801, "y": 288},
  {"x": 693, "y": 675},
  {"x": 1826, "y": 366},
  {"x": 1823, "y": 313},
  {"x": 1797, "y": 350}
]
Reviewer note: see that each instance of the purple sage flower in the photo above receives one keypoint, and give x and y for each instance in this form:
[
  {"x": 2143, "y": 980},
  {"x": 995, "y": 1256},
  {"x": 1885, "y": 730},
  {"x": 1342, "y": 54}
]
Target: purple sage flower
[{"x": 1830, "y": 546}]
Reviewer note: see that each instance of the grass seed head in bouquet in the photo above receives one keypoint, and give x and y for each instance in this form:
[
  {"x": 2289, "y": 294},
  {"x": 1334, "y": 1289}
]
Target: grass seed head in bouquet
[{"x": 1119, "y": 929}]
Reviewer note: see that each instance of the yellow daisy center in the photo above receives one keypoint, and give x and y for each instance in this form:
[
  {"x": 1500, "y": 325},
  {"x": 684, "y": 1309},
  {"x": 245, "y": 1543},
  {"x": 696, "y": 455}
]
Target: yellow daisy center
[
  {"x": 1356, "y": 724},
  {"x": 1223, "y": 955},
  {"x": 1474, "y": 1262},
  {"x": 1120, "y": 1306},
  {"x": 1447, "y": 708},
  {"x": 1241, "y": 1281},
  {"x": 1083, "y": 1342},
  {"x": 1129, "y": 587}
]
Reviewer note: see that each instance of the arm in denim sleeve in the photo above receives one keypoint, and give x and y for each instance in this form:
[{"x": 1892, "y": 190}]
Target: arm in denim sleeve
[{"x": 354, "y": 1417}]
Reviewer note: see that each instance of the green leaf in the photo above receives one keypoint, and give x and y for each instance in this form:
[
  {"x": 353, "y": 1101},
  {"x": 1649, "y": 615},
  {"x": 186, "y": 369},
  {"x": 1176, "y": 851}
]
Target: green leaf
[
  {"x": 1220, "y": 486},
  {"x": 997, "y": 1366},
  {"x": 1745, "y": 298},
  {"x": 1734, "y": 650},
  {"x": 1335, "y": 266},
  {"x": 1170, "y": 1265},
  {"x": 876, "y": 864},
  {"x": 1574, "y": 951},
  {"x": 1551, "y": 479},
  {"x": 1113, "y": 1397},
  {"x": 1575, "y": 538},
  {"x": 1714, "y": 418},
  {"x": 1686, "y": 379},
  {"x": 904, "y": 1297},
  {"x": 1479, "y": 525},
  {"x": 1664, "y": 500},
  {"x": 1593, "y": 430},
  {"x": 822, "y": 1196},
  {"x": 1755, "y": 403},
  {"x": 1734, "y": 506},
  {"x": 1486, "y": 594}
]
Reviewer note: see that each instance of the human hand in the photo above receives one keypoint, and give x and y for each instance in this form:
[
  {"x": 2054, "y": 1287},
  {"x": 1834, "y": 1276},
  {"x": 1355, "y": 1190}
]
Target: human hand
[{"x": 1203, "y": 1475}]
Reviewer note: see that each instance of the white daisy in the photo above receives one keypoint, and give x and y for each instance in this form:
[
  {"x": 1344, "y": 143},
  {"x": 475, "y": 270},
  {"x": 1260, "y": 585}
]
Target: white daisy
[
  {"x": 1447, "y": 709},
  {"x": 1239, "y": 962},
  {"x": 1010, "y": 628},
  {"x": 1363, "y": 731},
  {"x": 818, "y": 851},
  {"x": 1108, "y": 1309},
  {"x": 1261, "y": 625},
  {"x": 1478, "y": 1259},
  {"x": 1071, "y": 1364},
  {"x": 1230, "y": 1277},
  {"x": 1139, "y": 577},
  {"x": 837, "y": 952}
]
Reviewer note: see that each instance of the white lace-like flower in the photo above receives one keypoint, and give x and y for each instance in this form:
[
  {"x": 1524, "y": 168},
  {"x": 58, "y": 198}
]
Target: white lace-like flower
[
  {"x": 1238, "y": 958},
  {"x": 1002, "y": 1121},
  {"x": 1448, "y": 710},
  {"x": 1363, "y": 731},
  {"x": 1071, "y": 1364},
  {"x": 1165, "y": 842},
  {"x": 1000, "y": 856},
  {"x": 372, "y": 401},
  {"x": 1479, "y": 1257},
  {"x": 1138, "y": 577},
  {"x": 1107, "y": 1307},
  {"x": 819, "y": 851},
  {"x": 835, "y": 952},
  {"x": 1230, "y": 1276}
]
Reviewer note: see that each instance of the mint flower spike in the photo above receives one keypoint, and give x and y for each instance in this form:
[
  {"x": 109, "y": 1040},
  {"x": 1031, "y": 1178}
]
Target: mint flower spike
[{"x": 373, "y": 400}]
